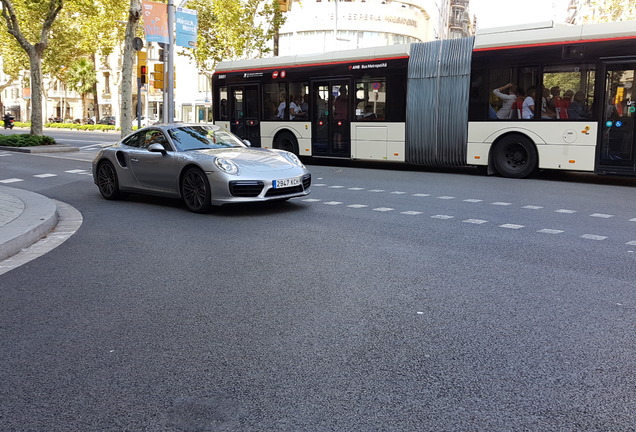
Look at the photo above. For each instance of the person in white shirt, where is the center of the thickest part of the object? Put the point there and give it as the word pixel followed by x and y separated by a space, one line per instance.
pixel 527 109
pixel 508 99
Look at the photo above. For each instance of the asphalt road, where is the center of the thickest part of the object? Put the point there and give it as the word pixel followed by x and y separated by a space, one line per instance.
pixel 387 300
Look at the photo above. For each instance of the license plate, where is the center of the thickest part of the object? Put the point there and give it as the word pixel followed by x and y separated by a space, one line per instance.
pixel 284 183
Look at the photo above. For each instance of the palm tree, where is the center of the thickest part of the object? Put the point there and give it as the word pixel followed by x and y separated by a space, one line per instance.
pixel 82 78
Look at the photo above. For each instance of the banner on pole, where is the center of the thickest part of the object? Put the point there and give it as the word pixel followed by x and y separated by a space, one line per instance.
pixel 155 21
pixel 186 27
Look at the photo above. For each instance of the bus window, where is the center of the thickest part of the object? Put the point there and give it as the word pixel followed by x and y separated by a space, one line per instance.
pixel 223 109
pixel 298 100
pixel 275 102
pixel 370 99
pixel 501 105
pixel 569 92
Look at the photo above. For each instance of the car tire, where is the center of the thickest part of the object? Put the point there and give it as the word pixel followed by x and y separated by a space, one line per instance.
pixel 195 191
pixel 515 156
pixel 107 181
pixel 286 141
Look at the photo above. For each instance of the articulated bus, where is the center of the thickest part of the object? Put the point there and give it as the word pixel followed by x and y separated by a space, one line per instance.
pixel 447 103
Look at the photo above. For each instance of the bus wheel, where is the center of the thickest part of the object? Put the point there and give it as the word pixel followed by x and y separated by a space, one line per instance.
pixel 515 156
pixel 286 141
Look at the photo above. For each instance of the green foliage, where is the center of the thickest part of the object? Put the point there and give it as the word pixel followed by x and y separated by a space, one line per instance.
pixel 25 140
pixel 231 29
pixel 77 126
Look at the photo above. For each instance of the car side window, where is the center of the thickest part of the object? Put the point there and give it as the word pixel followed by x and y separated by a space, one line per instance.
pixel 155 136
pixel 134 140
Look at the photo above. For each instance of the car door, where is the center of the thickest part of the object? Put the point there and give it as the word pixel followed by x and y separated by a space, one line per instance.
pixel 154 171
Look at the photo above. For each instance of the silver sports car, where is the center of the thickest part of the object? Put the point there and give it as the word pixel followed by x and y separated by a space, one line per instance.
pixel 204 165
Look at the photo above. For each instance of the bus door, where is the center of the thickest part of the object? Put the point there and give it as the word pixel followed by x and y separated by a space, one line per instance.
pixel 331 130
pixel 243 111
pixel 618 141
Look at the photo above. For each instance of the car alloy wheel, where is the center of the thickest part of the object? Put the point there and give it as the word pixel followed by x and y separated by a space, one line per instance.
pixel 195 191
pixel 107 181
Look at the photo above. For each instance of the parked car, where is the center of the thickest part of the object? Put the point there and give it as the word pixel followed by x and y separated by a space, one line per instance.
pixel 145 121
pixel 204 165
pixel 107 120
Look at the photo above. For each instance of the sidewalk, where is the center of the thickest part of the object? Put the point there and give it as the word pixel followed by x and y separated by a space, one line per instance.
pixel 25 217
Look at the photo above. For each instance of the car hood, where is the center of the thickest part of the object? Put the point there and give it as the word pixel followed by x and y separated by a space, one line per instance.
pixel 255 159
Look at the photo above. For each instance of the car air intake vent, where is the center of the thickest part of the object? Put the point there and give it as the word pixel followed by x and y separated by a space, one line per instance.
pixel 246 188
pixel 306 181
pixel 284 191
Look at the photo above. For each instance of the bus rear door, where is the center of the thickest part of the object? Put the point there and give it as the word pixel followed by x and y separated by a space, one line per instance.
pixel 617 140
pixel 331 130
pixel 244 113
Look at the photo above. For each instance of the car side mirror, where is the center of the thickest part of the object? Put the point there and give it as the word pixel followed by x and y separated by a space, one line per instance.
pixel 157 148
pixel 247 143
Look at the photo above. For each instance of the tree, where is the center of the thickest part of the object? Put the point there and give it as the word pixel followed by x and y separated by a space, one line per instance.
pixel 230 29
pixel 81 78
pixel 613 10
pixel 30 23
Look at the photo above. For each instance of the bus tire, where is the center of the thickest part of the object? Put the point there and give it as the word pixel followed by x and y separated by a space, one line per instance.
pixel 286 141
pixel 515 156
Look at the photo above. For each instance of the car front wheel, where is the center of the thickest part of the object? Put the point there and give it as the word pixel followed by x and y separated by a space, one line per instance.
pixel 107 181
pixel 195 191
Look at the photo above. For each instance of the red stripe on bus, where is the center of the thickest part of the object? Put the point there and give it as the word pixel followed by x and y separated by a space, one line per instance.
pixel 555 43
pixel 313 64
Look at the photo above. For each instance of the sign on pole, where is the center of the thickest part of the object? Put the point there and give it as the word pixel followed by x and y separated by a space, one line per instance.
pixel 186 27
pixel 155 21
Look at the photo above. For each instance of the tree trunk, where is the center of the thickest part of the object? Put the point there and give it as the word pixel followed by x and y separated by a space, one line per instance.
pixel 127 69
pixel 95 96
pixel 35 62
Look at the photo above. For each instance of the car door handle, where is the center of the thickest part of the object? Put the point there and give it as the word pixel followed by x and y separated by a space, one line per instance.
pixel 134 160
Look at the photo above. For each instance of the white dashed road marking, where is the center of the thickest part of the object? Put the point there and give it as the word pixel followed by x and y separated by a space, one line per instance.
pixel 501 203
pixel 511 226
pixel 565 211
pixel 383 209
pixel 550 231
pixel 398 193
pixel 11 180
pixel 421 195
pixel 411 213
pixel 532 207
pixel 593 237
pixel 631 243
pixel 45 175
pixel 475 221
pixel 376 190
pixel 357 206
pixel 446 197
pixel 443 217
pixel 332 203
pixel 76 171
pixel 601 215
pixel 311 200
pixel 356 188
pixel 473 200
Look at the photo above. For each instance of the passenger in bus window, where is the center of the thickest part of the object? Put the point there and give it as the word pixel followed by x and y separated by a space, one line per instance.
pixel 304 106
pixel 556 104
pixel 295 112
pixel 269 109
pixel 508 99
pixel 527 109
pixel 577 110
pixel 340 113
pixel 281 106
pixel 546 110
pixel 223 110
pixel 568 95
pixel 368 113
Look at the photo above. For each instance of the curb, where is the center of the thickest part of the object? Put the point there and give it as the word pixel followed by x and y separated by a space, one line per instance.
pixel 41 149
pixel 37 219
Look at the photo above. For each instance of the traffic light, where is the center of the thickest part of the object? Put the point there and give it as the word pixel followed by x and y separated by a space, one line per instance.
pixel 158 76
pixel 142 67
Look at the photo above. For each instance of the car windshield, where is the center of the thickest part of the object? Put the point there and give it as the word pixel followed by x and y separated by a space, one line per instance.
pixel 203 137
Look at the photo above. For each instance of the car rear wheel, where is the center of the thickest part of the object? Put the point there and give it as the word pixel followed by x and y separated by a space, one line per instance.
pixel 107 181
pixel 195 191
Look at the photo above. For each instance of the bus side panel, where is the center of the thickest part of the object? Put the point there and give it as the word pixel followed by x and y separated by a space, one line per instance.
pixel 370 141
pixel 560 145
pixel 301 130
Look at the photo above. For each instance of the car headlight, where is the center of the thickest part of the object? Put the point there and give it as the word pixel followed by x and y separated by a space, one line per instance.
pixel 226 165
pixel 293 159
